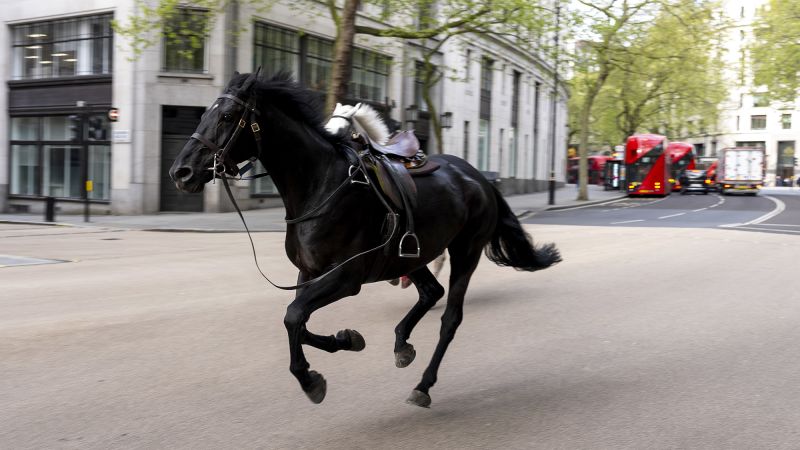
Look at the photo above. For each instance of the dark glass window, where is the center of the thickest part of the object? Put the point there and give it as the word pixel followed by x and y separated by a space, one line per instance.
pixel 62 48
pixel 276 49
pixel 370 76
pixel 318 62
pixel 185 41
pixel 758 122
pixel 47 156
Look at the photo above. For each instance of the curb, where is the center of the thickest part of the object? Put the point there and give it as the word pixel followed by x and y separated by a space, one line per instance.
pixel 524 214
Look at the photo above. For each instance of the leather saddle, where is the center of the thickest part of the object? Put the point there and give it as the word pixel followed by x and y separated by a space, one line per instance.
pixel 392 166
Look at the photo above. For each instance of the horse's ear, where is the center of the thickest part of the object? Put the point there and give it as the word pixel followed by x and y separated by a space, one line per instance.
pixel 235 72
pixel 258 71
pixel 249 81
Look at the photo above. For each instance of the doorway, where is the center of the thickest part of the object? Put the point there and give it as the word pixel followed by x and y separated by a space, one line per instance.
pixel 177 124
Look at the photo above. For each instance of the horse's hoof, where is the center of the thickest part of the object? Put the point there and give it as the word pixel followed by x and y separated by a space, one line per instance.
pixel 405 356
pixel 419 398
pixel 355 339
pixel 318 387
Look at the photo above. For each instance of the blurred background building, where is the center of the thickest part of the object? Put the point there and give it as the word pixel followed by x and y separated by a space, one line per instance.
pixel 65 70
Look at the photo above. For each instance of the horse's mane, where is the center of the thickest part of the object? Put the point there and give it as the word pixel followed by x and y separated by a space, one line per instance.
pixel 297 102
pixel 372 123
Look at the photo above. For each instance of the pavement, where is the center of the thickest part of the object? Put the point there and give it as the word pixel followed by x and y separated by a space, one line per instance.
pixel 272 219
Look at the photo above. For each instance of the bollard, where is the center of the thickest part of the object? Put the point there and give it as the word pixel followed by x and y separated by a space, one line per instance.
pixel 50 209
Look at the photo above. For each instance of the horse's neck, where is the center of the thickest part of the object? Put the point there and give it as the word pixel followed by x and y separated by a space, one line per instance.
pixel 304 168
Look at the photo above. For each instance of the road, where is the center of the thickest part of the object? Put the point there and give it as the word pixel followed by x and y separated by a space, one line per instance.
pixel 646 336
pixel 776 211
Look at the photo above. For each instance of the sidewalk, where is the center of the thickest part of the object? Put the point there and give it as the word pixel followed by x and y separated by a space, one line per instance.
pixel 271 219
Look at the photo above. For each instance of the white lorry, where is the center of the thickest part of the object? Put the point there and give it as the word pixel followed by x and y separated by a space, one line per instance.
pixel 740 170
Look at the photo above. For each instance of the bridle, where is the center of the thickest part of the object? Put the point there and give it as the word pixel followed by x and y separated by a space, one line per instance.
pixel 223 166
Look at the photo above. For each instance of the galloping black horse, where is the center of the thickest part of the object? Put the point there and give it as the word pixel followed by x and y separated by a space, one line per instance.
pixel 458 210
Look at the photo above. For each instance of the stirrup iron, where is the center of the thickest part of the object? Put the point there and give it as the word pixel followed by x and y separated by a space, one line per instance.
pixel 408 235
pixel 354 169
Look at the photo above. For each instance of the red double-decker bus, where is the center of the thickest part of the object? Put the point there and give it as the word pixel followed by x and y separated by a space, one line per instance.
pixel 681 156
pixel 647 165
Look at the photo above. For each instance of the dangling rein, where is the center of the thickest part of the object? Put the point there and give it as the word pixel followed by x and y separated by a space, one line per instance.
pixel 349 180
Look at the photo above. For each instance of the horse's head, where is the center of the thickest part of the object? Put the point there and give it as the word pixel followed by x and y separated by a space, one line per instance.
pixel 223 139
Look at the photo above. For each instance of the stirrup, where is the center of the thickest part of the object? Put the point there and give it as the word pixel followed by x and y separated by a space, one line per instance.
pixel 400 247
pixel 353 170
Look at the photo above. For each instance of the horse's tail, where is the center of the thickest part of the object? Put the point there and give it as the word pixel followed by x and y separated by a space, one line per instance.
pixel 512 246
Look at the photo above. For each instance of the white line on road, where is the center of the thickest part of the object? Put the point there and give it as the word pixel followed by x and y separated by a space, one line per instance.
pixel 779 208
pixel 672 215
pixel 701 209
pixel 627 221
pixel 764 229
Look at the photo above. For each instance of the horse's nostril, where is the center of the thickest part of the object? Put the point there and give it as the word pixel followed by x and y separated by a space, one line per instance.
pixel 183 174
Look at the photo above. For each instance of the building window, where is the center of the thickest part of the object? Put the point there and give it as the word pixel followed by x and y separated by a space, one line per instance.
pixel 48 156
pixel 758 122
pixel 276 49
pixel 370 76
pixel 318 62
pixel 185 42
pixel 760 100
pixel 786 121
pixel 62 48
pixel 483 145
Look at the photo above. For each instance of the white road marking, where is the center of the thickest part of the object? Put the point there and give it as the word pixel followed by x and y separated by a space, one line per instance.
pixel 701 209
pixel 779 208
pixel 765 229
pixel 672 215
pixel 627 221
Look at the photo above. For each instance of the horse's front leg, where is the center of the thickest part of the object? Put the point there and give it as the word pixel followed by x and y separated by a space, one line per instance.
pixel 310 299
pixel 344 340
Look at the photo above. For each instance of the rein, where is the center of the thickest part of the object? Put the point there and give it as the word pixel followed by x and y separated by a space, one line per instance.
pixel 220 169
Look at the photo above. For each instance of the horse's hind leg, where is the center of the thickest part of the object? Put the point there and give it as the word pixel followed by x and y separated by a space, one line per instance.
pixel 462 264
pixel 430 291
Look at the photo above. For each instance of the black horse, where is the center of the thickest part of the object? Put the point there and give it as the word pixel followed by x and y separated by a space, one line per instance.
pixel 458 210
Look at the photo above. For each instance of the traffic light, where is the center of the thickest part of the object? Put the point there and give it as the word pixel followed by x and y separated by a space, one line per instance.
pixel 96 130
pixel 75 128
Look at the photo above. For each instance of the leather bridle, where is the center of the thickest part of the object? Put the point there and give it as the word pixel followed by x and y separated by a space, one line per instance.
pixel 223 164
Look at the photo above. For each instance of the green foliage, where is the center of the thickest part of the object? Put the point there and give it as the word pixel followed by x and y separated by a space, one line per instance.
pixel 775 54
pixel 663 75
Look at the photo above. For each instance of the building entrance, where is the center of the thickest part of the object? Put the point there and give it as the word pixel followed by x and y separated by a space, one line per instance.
pixel 177 124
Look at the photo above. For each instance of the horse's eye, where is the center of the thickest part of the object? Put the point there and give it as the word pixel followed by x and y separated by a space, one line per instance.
pixel 227 117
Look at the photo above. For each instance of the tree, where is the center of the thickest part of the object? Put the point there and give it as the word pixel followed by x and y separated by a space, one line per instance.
pixel 630 64
pixel 666 80
pixel 775 54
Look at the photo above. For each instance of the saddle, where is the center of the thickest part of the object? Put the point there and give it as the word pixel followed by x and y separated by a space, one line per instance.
pixel 392 166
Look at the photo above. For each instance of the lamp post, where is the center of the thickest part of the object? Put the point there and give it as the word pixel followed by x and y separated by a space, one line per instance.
pixel 551 184
pixel 412 114
pixel 446 120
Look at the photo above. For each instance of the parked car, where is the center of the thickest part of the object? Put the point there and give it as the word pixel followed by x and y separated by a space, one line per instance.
pixel 694 181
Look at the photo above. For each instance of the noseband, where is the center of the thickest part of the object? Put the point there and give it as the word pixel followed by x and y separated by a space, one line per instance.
pixel 222 162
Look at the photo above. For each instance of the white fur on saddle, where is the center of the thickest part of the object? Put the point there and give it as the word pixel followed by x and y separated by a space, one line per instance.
pixel 365 121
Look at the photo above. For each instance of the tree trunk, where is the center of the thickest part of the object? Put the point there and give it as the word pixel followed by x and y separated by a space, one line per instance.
pixel 342 67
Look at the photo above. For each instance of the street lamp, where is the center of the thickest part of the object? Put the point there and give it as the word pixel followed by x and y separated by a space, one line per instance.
pixel 446 120
pixel 551 184
pixel 412 114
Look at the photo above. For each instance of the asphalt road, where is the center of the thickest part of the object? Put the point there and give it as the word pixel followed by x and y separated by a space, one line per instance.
pixel 644 337
pixel 777 211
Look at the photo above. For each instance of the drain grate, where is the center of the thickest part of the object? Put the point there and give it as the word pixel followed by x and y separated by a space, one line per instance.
pixel 11 260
